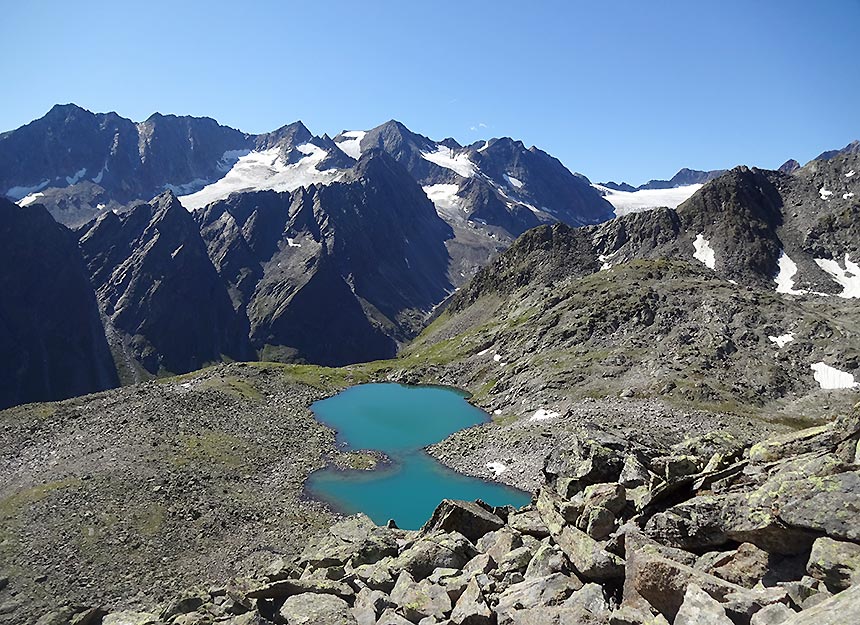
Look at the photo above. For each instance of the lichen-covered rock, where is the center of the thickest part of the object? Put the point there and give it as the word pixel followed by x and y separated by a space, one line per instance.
pixel 541 591
pixel 312 609
pixel 472 608
pixel 356 538
pixel 421 599
pixel 369 606
pixel 499 543
pixel 548 559
pixel 289 587
pixel 528 522
pixel 835 562
pixel 437 550
pixel 466 517
pixel 588 557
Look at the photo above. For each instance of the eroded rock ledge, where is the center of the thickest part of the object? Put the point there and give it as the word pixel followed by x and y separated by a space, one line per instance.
pixel 711 535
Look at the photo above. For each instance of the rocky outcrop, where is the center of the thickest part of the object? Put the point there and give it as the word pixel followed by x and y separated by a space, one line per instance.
pixel 649 562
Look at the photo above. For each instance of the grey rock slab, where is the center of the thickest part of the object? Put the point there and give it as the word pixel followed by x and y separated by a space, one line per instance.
pixel 699 608
pixel 313 609
pixel 465 517
pixel 472 608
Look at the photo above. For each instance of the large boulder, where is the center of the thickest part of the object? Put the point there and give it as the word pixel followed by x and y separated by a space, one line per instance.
pixel 663 583
pixel 466 517
pixel 436 550
pixel 357 539
pixel 472 608
pixel 289 587
pixel 421 599
pixel 589 558
pixel 835 562
pixel 312 609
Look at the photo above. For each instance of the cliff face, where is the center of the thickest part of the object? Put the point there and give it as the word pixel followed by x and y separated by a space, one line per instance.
pixel 51 338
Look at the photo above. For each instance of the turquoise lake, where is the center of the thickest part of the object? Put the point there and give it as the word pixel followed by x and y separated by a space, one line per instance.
pixel 399 421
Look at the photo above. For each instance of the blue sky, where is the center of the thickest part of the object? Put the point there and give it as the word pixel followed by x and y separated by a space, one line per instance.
pixel 616 89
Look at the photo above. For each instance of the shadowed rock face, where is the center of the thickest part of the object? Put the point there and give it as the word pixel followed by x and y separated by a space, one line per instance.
pixel 51 338
pixel 157 287
pixel 332 274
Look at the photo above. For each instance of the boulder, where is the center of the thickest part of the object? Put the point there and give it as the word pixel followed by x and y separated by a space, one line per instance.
pixel 540 591
pixel 516 560
pixel 840 609
pixel 835 562
pixel 585 460
pixel 528 522
pixel 467 518
pixel 472 608
pixel 499 543
pixel 699 608
pixel 481 563
pixel 633 473
pixel 590 599
pixel 663 583
pixel 588 557
pixel 421 599
pixel 376 576
pixel 811 440
pixel 439 549
pixel 181 605
pixel 548 559
pixel 69 615
pixel 369 606
pixel 746 566
pixel 775 614
pixel 312 609
pixel 356 538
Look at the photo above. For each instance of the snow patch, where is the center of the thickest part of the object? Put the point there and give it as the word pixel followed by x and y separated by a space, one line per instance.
pixel 831 378
pixel 483 351
pixel 446 157
pixel 849 174
pixel 262 171
pixel 100 206
pixel 445 199
pixel 824 193
pixel 605 258
pixel 785 276
pixel 230 158
pixel 542 414
pixel 496 358
pixel 517 184
pixel 497 468
pixel 292 243
pixel 100 175
pixel 16 193
pixel 848 278
pixel 78 175
pixel 350 143
pixel 847 196
pixel 782 340
pixel 704 252
pixel 626 202
pixel 29 199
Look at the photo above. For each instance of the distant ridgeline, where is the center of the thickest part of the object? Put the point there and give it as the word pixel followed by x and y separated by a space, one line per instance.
pixel 195 243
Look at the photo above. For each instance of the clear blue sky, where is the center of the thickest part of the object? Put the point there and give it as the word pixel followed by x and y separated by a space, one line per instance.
pixel 624 90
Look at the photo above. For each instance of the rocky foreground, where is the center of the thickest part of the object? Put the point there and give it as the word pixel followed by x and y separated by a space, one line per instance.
pixel 709 534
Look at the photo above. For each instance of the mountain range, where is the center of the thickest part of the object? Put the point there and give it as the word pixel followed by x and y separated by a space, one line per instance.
pixel 199 243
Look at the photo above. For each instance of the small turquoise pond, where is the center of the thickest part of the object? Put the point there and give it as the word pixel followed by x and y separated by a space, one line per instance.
pixel 399 421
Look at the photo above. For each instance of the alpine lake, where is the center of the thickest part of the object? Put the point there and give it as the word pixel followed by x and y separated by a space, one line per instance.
pixel 400 421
